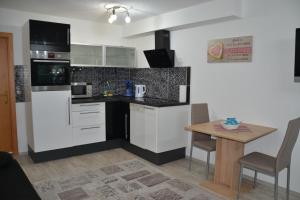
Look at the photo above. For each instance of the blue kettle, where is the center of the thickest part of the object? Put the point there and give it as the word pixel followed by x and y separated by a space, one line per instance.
pixel 129 88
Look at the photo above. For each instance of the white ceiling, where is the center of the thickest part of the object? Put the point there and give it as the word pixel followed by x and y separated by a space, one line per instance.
pixel 94 9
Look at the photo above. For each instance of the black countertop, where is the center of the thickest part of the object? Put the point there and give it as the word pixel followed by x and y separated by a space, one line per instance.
pixel 144 101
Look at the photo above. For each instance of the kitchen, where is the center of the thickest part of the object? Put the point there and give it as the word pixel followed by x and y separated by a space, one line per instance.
pixel 89 107
pixel 209 82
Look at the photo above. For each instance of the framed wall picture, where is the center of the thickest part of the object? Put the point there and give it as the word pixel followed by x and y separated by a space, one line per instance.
pixel 236 49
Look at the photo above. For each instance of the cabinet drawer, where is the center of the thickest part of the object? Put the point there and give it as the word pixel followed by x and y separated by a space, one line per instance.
pixel 89 134
pixel 88 118
pixel 88 107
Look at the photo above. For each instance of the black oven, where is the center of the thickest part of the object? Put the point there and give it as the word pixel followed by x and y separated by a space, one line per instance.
pixel 50 73
pixel 49 36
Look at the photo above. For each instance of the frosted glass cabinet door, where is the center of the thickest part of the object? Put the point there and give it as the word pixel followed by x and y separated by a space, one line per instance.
pixel 86 55
pixel 120 56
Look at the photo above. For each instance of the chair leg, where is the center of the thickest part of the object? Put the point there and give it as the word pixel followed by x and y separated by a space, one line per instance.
pixel 240 182
pixel 288 183
pixel 190 160
pixel 276 187
pixel 255 178
pixel 207 164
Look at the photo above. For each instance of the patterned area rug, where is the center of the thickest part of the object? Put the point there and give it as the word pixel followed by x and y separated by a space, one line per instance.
pixel 132 179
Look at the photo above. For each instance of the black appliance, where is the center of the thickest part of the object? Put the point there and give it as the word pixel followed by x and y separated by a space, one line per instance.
pixel 50 71
pixel 49 36
pixel 117 120
pixel 297 56
pixel 161 56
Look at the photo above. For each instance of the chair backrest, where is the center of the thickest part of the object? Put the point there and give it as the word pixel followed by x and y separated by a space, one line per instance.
pixel 199 115
pixel 285 153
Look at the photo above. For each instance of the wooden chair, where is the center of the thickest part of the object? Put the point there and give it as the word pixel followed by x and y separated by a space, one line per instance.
pixel 201 140
pixel 273 165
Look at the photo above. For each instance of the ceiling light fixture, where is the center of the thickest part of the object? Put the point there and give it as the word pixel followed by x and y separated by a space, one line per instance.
pixel 113 10
pixel 127 18
pixel 114 16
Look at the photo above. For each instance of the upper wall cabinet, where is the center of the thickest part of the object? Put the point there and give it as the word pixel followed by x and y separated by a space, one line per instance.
pixel 107 56
pixel 86 55
pixel 119 56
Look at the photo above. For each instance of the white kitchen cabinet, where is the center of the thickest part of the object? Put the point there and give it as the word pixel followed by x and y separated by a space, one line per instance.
pixel 151 128
pixel 86 55
pixel 89 134
pixel 137 125
pixel 51 120
pixel 99 56
pixel 158 129
pixel 88 118
pixel 119 56
pixel 171 122
pixel 88 107
pixel 88 123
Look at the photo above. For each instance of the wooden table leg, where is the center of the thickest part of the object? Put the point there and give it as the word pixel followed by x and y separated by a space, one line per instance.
pixel 227 168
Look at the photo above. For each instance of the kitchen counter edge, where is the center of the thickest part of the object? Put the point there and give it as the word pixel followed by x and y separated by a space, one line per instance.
pixel 164 103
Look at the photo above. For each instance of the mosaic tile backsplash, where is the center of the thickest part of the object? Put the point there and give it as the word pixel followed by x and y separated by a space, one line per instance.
pixel 21 82
pixel 160 83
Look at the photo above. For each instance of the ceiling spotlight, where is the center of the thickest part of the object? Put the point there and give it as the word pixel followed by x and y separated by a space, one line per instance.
pixel 110 19
pixel 114 16
pixel 127 18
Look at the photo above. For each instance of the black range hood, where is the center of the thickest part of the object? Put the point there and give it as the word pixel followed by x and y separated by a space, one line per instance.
pixel 161 56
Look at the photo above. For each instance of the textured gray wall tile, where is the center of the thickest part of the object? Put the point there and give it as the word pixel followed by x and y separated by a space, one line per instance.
pixel 161 83
pixel 19 83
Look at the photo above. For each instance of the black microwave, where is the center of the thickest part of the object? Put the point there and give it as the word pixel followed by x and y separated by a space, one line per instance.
pixel 49 36
pixel 81 90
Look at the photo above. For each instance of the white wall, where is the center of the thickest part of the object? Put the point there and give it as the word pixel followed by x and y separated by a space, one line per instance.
pixel 23 126
pixel 141 43
pixel 81 32
pixel 262 91
pixel 203 13
pixel 17 41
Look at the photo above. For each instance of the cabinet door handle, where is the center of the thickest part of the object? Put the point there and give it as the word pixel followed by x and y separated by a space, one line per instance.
pixel 95 127
pixel 69 109
pixel 68 36
pixel 148 108
pixel 89 105
pixel 52 61
pixel 84 113
pixel 126 132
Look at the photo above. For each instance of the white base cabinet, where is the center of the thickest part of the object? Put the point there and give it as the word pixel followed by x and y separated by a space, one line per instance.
pixel 51 120
pixel 137 125
pixel 89 134
pixel 88 123
pixel 158 129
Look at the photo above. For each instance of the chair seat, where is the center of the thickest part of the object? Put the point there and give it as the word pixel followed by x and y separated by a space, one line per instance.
pixel 207 145
pixel 259 161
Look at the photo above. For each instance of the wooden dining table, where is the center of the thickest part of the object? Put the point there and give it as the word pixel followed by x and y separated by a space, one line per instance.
pixel 229 149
